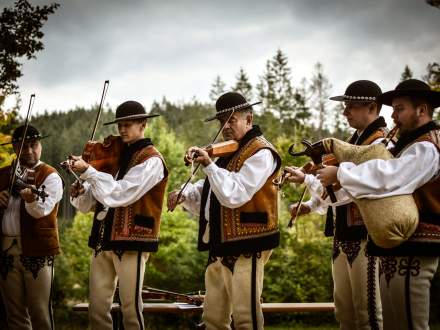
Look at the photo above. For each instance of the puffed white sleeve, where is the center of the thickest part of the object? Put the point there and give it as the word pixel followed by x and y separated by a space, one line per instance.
pixel 54 190
pixel 379 178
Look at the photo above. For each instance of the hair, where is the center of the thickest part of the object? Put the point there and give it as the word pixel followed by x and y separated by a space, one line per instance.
pixel 378 106
pixel 418 101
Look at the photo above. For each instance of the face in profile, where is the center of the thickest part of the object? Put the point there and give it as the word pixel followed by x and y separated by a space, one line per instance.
pixel 237 125
pixel 405 115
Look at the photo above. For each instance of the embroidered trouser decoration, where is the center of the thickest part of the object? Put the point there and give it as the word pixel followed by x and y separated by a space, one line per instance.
pixel 234 293
pixel 405 284
pixel 27 290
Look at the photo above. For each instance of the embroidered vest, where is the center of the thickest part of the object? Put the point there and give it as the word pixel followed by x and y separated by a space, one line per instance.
pixel 252 227
pixel 39 237
pixel 426 239
pixel 135 227
pixel 348 224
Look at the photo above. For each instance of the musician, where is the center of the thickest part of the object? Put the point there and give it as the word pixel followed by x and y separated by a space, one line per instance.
pixel 355 272
pixel 127 218
pixel 407 270
pixel 29 235
pixel 237 206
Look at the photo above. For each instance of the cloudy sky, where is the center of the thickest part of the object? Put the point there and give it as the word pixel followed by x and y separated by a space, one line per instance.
pixel 150 49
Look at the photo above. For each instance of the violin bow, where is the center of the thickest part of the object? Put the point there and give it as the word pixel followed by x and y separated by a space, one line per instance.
pixel 179 195
pixel 95 126
pixel 98 115
pixel 17 160
pixel 300 202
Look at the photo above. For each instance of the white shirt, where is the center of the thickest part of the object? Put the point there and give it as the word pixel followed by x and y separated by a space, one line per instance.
pixel 377 178
pixel 232 189
pixel 37 209
pixel 102 187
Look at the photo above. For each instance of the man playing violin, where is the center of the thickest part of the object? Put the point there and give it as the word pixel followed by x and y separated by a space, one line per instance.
pixel 29 235
pixel 127 218
pixel 355 273
pixel 406 270
pixel 238 217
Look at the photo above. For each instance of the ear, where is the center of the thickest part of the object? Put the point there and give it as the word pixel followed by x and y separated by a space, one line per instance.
pixel 422 110
pixel 249 118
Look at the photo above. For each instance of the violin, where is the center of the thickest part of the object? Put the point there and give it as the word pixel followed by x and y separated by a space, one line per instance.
pixel 219 149
pixel 19 185
pixel 104 156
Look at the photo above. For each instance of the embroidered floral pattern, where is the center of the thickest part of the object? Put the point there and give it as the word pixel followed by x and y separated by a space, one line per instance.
pixel 350 248
pixel 388 267
pixel 410 265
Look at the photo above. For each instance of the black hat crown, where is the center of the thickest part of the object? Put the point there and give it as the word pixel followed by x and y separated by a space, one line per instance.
pixel 130 110
pixel 360 91
pixel 230 101
pixel 412 88
pixel 31 134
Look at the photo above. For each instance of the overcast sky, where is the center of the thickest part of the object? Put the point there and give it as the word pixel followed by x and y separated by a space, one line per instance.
pixel 151 49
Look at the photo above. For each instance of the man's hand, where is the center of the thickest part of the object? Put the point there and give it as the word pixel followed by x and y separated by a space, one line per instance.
pixel 293 208
pixel 77 164
pixel 197 155
pixel 328 175
pixel 27 195
pixel 4 199
pixel 172 200
pixel 76 189
pixel 294 174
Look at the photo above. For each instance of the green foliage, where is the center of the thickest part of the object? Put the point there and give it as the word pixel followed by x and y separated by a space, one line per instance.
pixel 218 88
pixel 177 266
pixel 20 33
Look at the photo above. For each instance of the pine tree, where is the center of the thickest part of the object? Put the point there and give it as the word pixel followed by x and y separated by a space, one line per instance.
pixel 242 85
pixel 406 74
pixel 319 97
pixel 217 89
pixel 275 88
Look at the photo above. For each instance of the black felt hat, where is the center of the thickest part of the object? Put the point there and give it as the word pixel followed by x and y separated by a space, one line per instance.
pixel 412 87
pixel 31 134
pixel 228 102
pixel 130 110
pixel 360 91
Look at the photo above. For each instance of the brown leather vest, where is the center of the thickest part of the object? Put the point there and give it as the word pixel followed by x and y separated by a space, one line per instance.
pixel 253 227
pixel 427 198
pixel 39 237
pixel 137 226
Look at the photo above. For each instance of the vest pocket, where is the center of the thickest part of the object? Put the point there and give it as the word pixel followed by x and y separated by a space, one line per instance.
pixel 144 221
pixel 253 217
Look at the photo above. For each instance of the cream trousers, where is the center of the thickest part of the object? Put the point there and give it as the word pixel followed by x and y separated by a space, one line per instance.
pixel 105 271
pixel 405 284
pixel 356 287
pixel 235 295
pixel 27 288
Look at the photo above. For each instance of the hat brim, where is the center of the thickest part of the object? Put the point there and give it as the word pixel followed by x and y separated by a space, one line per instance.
pixel 134 117
pixel 432 97
pixel 217 115
pixel 33 138
pixel 344 98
